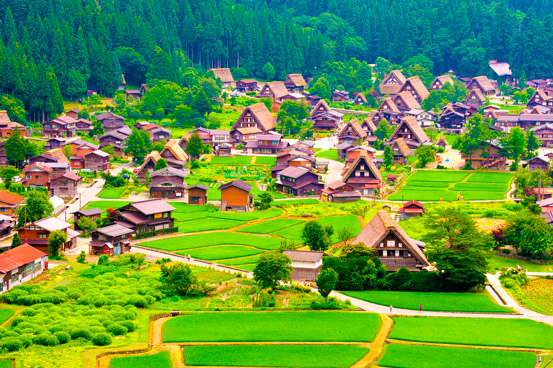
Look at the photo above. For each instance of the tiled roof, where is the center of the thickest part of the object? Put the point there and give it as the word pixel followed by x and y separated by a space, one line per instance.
pixel 238 184
pixel 152 206
pixel 304 256
pixel 52 223
pixel 10 198
pixel 19 256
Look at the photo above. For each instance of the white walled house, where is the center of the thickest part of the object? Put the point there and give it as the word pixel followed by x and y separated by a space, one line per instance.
pixel 21 264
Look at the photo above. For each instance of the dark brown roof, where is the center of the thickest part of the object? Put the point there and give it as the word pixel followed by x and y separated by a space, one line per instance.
pixel 114 230
pixel 237 184
pixel 90 212
pixel 418 86
pixel 170 170
pixel 199 186
pixel 108 115
pixel 304 255
pixel 67 175
pixel 294 172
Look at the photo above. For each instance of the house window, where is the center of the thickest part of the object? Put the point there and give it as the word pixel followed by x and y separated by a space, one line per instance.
pixel 381 245
pixel 400 245
pixel 42 236
pixel 390 243
pixel 384 253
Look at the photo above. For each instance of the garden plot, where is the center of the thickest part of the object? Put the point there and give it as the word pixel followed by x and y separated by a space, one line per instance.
pixel 408 356
pixel 104 205
pixel 272 326
pixel 111 193
pixel 270 226
pixel 159 360
pixel 299 356
pixel 221 252
pixel 349 221
pixel 453 185
pixel 207 223
pixel 431 301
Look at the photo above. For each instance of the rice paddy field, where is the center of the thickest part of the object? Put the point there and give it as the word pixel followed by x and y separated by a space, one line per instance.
pixel 159 360
pixel 454 185
pixel 5 364
pixel 5 314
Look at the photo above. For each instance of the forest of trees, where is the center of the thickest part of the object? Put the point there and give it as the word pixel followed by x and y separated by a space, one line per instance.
pixel 54 49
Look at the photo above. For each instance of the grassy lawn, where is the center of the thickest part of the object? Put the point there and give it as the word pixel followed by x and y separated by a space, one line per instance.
pixel 294 202
pixel 236 160
pixel 449 302
pixel 240 261
pixel 453 185
pixel 159 360
pixel 5 364
pixel 249 216
pixel 5 314
pixel 331 154
pixel 111 193
pixel 265 160
pixel 218 238
pixel 299 356
pixel 272 326
pixel 540 293
pixel 104 205
pixel 497 262
pixel 338 222
pixel 408 356
pixel 270 226
pixel 221 252
pixel 522 333
pixel 207 223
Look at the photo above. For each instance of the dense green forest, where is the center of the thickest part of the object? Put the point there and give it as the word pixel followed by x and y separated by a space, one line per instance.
pixel 55 48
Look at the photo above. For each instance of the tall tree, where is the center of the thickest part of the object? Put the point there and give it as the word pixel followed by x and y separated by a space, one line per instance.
pixel 138 144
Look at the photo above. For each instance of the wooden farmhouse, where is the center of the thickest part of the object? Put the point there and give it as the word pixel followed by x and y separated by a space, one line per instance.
pixel 352 133
pixel 306 264
pixel 147 166
pixel 483 84
pixel 544 133
pixel 369 127
pixel 454 116
pixel 9 203
pixel 112 240
pixel 354 152
pixel 525 121
pixel 21 264
pixel 293 158
pixel 343 150
pixel 7 126
pixel 223 150
pixel 395 248
pixel 405 101
pixel 64 126
pixel 340 96
pixel 6 226
pixel 392 83
pixel 134 93
pixel 415 86
pixel 411 209
pixel 475 98
pixel 58 168
pixel 65 185
pixel 36 175
pixel 388 110
pixel 54 142
pixel 96 161
pixel 117 139
pixel 295 83
pixel 93 214
pixel 246 85
pixel 324 118
pixel 359 99
pixel 111 121
pixel 235 196
pixel 440 81
pixel 401 151
pixel 224 75
pixel 424 118
pixel 38 232
pixel 542 97
pixel 146 216
pixel 83 126
pixel 255 119
pixel 410 130
pixel 197 194
pixel 340 192
pixel 363 175
pixel 167 183
pixel 298 181
pixel 494 159
pixel 270 143
pixel 273 90
pixel 538 163
pixel 174 155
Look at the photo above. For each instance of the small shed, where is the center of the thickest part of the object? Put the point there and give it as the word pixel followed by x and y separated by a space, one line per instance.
pixel 197 194
pixel 306 264
pixel 94 214
pixel 235 196
pixel 411 209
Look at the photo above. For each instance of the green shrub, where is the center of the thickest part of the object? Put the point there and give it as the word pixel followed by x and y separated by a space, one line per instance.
pixel 101 339
pixel 272 302
pixel 46 340
pixel 116 329
pixel 80 333
pixel 330 304
pixel 265 300
pixel 62 336
pixel 130 325
pixel 11 344
pixel 26 340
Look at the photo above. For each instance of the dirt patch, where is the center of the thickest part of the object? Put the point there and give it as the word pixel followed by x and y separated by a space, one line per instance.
pixel 489 224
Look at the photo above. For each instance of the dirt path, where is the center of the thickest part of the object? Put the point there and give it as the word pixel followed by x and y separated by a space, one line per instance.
pixel 377 346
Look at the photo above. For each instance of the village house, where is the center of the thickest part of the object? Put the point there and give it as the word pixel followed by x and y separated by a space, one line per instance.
pixel 441 142
pixel 270 143
pixel 84 126
pixel 58 168
pixel 306 264
pixel 388 110
pixel 84 149
pixel 295 157
pixel 134 93
pixel 502 70
pixel 36 175
pixel 224 75
pixel 146 216
pixel 19 265
pixel 111 121
pixel 440 81
pixel 43 159
pixel 246 85
pixel 353 152
pixel 410 130
pixel 411 209
pixel 147 166
pixel 9 203
pixel 112 240
pixel 223 150
pixel 74 113
pixel 297 97
pixel 295 83
pixel 54 142
pixel 299 181
pixel 415 86
pixel 116 138
pixel 7 126
pixel 454 116
pixel 343 150
pixel 483 84
pixel 93 214
pixel 273 90
pixel 374 117
pixel 340 192
pixel 475 98
pixel 64 126
pixel 405 101
pixel 544 133
pixel 424 118
pixel 359 99
pixel 395 248
pixel 352 133
pixel 392 83
pixel 197 194
pixel 203 133
pixel 65 185
pixel 96 161
pixel 167 183
pixel 6 226
pixel 401 151
pixel 38 232
pixel 363 175
pixel 159 134
pixel 174 155
pixel 235 196
pixel 494 160
pixel 525 121
pixel 255 119
pixel 340 96
pixel 538 163
pixel 324 118
pixel 311 100
pixel 542 97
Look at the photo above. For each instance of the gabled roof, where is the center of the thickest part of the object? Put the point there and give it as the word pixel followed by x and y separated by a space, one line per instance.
pixel 408 99
pixel 19 256
pixel 278 89
pixel 476 93
pixel 392 89
pixel 114 230
pixel 237 184
pixel 295 79
pixel 10 198
pixel 446 78
pixel 198 186
pixel 168 170
pixel 108 115
pixel 336 185
pixel 64 120
pixel 37 165
pixel 377 229
pixel 70 175
pixel 152 206
pixel 57 153
pixel 223 74
pixel 363 155
pixel 98 153
pixel 484 83
pixel 542 127
pixel 175 149
pixel 361 97
pixel 263 115
pixel 356 128
pixel 321 103
pixel 411 203
pixel 152 156
pixel 52 223
pixel 402 147
pixel 388 104
pixel 295 172
pixel 304 256
pixel 413 125
pixel 90 212
pixel 418 87
pixel 501 68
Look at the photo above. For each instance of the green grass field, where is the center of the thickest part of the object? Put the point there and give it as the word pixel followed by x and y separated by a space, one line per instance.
pixel 497 262
pixel 337 222
pixel 295 202
pixel 236 160
pixel 5 364
pixel 270 226
pixel 207 223
pixel 111 193
pixel 5 314
pixel 103 205
pixel 409 356
pixel 272 326
pixel 265 160
pixel 453 185
pixel 209 239
pixel 522 333
pixel 449 302
pixel 221 252
pixel 331 154
pixel 159 360
pixel 298 356
pixel 240 261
